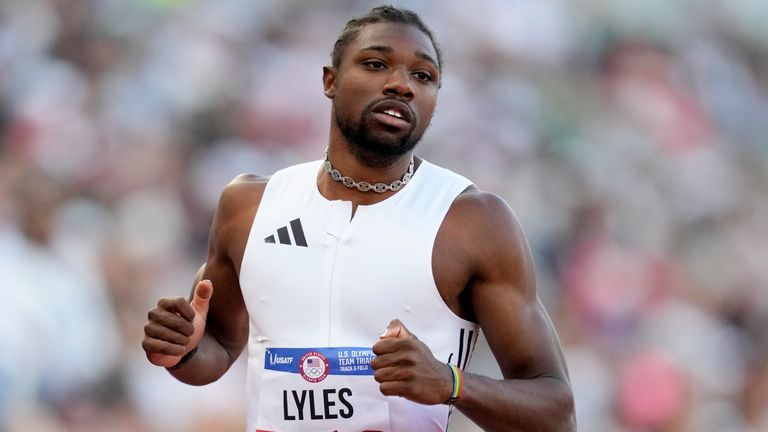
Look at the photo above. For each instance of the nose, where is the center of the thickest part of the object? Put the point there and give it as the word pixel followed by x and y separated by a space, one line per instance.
pixel 399 84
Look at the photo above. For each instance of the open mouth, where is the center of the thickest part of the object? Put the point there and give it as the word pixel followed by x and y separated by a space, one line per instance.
pixel 393 113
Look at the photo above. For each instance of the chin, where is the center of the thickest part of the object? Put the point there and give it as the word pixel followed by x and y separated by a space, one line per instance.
pixel 380 153
pixel 376 145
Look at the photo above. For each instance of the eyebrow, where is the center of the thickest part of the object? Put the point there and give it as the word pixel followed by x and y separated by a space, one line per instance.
pixel 388 50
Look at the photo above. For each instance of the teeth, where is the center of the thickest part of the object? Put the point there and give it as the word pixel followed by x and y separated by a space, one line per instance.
pixel 393 113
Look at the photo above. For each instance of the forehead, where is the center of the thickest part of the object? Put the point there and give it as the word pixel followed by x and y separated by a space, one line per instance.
pixel 398 36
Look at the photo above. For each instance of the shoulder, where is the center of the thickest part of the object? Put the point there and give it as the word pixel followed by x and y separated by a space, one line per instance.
pixel 243 191
pixel 243 195
pixel 239 201
pixel 488 230
pixel 478 210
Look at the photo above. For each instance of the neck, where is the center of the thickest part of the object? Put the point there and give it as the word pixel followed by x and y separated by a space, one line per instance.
pixel 347 169
pixel 364 186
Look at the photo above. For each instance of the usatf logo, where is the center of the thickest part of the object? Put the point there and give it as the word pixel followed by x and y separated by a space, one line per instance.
pixel 314 367
pixel 279 360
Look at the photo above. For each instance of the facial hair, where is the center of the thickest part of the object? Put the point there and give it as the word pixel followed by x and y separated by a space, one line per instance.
pixel 375 149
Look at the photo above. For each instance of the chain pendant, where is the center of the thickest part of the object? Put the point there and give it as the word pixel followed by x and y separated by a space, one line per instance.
pixel 362 186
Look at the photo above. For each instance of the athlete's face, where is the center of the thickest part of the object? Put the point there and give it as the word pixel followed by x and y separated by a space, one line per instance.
pixel 384 91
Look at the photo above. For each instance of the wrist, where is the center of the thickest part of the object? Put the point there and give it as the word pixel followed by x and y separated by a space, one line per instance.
pixel 184 359
pixel 458 384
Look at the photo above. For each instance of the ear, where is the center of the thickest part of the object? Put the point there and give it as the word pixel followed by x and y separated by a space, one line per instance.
pixel 329 81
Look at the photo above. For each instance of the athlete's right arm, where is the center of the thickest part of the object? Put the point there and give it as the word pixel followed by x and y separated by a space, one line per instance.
pixel 214 320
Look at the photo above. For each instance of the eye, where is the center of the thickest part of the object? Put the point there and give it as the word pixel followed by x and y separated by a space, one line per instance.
pixel 375 64
pixel 423 76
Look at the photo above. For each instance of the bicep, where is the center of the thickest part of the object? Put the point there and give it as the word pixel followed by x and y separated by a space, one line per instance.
pixel 519 332
pixel 227 317
pixel 504 300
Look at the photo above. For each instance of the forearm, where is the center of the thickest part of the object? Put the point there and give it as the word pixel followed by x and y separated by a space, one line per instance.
pixel 541 404
pixel 207 365
pixel 210 361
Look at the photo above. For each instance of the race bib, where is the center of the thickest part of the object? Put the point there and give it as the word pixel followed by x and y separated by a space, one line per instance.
pixel 320 390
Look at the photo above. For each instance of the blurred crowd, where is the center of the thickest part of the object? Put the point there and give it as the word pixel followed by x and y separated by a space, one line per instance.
pixel 630 138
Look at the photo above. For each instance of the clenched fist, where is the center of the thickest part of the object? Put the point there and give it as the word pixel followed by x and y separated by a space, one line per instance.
pixel 404 366
pixel 176 326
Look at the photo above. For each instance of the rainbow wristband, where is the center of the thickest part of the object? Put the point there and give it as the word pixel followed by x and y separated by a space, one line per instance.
pixel 458 382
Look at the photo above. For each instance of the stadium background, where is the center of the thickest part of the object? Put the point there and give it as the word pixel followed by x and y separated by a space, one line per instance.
pixel 631 139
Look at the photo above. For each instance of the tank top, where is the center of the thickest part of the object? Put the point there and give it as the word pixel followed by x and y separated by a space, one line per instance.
pixel 320 286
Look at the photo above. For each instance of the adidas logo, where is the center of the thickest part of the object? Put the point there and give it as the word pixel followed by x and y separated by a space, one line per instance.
pixel 284 238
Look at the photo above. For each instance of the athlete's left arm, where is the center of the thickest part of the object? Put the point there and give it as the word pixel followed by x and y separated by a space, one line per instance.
pixel 535 393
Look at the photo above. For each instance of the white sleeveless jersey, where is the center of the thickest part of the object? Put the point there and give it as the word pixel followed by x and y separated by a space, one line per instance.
pixel 321 285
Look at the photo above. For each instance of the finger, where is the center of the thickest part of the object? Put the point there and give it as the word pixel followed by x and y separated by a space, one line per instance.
pixel 202 298
pixel 177 305
pixel 394 357
pixel 163 360
pixel 392 345
pixel 172 321
pixel 396 329
pixel 155 331
pixel 394 388
pixel 384 346
pixel 393 373
pixel 157 346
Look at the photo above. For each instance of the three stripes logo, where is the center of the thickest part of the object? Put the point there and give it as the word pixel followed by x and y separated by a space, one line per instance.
pixel 467 342
pixel 283 237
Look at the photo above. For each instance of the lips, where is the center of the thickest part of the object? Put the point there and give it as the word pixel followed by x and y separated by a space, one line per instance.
pixel 393 112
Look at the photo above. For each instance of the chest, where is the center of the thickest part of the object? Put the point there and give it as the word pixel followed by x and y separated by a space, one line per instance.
pixel 341 278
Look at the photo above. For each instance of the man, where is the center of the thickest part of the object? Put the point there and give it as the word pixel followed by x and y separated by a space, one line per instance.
pixel 308 266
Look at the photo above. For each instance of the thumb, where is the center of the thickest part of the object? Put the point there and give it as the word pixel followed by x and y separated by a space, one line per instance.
pixel 202 298
pixel 397 330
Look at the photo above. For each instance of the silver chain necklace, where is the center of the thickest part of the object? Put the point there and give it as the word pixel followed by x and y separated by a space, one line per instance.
pixel 365 186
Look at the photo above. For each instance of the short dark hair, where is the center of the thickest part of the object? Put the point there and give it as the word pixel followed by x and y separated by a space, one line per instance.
pixel 380 14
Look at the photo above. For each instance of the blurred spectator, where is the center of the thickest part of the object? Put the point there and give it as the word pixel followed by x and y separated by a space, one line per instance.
pixel 59 334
